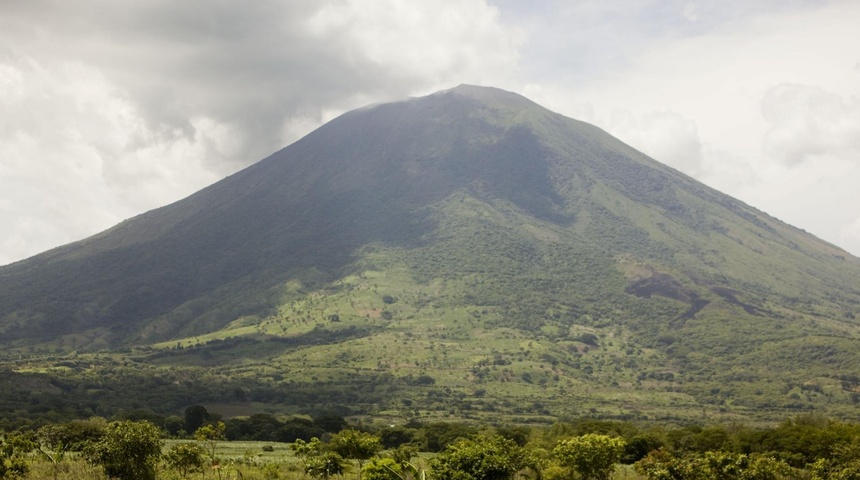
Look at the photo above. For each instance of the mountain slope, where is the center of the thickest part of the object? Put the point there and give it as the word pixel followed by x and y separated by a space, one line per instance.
pixel 471 215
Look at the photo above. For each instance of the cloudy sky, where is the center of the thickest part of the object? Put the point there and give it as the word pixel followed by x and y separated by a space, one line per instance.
pixel 111 108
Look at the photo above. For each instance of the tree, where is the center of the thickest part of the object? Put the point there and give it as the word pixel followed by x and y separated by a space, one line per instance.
pixel 330 423
pixel 13 447
pixel 661 465
pixel 404 454
pixel 209 436
pixel 185 458
pixel 195 417
pixel 53 445
pixel 129 450
pixel 520 435
pixel 592 456
pixel 439 435
pixel 392 468
pixel 324 465
pixel 382 469
pixel 395 436
pixel 725 466
pixel 174 424
pixel 639 446
pixel 762 467
pixel 319 461
pixel 353 444
pixel 73 436
pixel 298 428
pixel 487 457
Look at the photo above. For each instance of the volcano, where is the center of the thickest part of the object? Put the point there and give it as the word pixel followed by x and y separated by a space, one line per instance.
pixel 473 234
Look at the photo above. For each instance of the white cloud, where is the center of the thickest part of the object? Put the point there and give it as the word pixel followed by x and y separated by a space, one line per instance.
pixel 718 73
pixel 108 109
pixel 794 193
pixel 75 158
pixel 690 12
pixel 806 121
pixel 431 41
pixel 667 136
pixel 849 235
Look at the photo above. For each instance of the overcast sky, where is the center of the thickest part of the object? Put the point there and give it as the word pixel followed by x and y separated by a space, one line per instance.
pixel 110 108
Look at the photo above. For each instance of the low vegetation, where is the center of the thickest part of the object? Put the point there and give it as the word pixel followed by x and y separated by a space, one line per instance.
pixel 805 447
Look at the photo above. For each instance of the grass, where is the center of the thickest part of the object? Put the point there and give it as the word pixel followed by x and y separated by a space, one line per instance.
pixel 248 452
pixel 237 465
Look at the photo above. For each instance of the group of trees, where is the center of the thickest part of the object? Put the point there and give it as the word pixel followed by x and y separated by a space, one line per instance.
pixel 810 448
pixel 322 460
pixel 125 449
pixel 486 456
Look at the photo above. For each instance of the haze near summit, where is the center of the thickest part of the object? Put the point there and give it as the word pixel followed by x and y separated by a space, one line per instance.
pixel 109 109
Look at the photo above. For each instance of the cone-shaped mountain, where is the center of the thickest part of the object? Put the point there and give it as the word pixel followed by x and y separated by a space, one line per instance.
pixel 473 209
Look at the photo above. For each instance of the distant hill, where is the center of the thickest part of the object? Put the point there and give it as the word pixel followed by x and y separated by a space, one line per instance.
pixel 469 240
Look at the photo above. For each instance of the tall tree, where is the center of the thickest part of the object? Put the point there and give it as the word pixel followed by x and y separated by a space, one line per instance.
pixel 195 417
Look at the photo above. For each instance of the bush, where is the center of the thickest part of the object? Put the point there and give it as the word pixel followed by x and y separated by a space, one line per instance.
pixel 185 458
pixel 128 451
pixel 486 457
pixel 592 456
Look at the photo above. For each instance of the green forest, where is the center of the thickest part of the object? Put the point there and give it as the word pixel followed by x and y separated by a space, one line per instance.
pixel 200 445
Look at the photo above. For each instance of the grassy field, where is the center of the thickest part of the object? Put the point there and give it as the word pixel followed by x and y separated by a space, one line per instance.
pixel 239 461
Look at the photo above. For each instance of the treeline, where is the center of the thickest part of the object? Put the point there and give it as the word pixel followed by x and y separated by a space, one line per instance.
pixel 798 441
pixel 806 447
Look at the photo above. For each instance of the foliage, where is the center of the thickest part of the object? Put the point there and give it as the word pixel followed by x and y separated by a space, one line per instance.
pixel 766 467
pixel 195 417
pixel 304 450
pixel 385 468
pixel 396 465
pixel 486 457
pixel 403 454
pixel 208 436
pixel 354 444
pixel 661 465
pixel 437 436
pixel 13 448
pixel 396 436
pixel 53 444
pixel 319 461
pixel 744 456
pixel 129 450
pixel 592 456
pixel 72 436
pixel 324 465
pixel 184 458
pixel 640 445
pixel 725 466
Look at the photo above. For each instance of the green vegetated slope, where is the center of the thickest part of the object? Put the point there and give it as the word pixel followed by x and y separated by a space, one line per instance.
pixel 464 253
